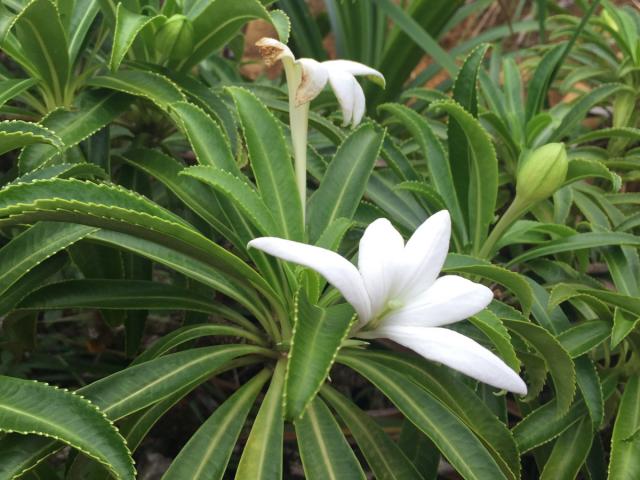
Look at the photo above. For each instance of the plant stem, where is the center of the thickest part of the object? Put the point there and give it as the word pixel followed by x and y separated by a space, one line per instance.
pixel 298 121
pixel 513 213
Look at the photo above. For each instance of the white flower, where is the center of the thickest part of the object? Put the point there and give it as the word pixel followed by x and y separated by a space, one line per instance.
pixel 310 77
pixel 397 294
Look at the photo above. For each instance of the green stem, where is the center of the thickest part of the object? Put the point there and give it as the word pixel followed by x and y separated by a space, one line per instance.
pixel 299 123
pixel 513 213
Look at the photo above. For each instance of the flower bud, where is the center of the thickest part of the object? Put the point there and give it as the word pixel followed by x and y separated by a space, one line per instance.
pixel 542 172
pixel 174 40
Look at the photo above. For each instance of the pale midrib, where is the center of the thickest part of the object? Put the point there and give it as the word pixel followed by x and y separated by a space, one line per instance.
pixel 222 428
pixel 61 243
pixel 337 203
pixel 381 453
pixel 321 442
pixel 68 433
pixel 274 185
pixel 173 372
pixel 426 419
pixel 52 71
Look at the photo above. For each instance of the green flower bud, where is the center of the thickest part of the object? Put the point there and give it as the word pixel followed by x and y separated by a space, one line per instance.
pixel 174 40
pixel 541 173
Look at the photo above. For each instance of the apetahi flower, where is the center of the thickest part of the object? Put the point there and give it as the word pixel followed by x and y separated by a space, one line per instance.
pixel 397 294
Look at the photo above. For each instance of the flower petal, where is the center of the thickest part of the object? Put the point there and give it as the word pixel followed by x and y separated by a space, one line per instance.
pixel 355 68
pixel 344 86
pixel 423 256
pixel 314 77
pixel 338 271
pixel 450 299
pixel 273 50
pixel 456 351
pixel 359 104
pixel 380 246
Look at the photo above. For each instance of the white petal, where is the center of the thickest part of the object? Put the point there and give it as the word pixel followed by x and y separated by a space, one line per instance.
pixel 456 351
pixel 423 256
pixel 355 68
pixel 450 299
pixel 272 50
pixel 338 271
pixel 344 86
pixel 313 79
pixel 359 104
pixel 380 246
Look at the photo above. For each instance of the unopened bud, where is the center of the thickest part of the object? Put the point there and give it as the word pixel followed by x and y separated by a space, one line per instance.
pixel 542 172
pixel 174 39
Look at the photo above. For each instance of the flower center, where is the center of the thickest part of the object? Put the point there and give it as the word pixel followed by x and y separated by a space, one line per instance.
pixel 389 307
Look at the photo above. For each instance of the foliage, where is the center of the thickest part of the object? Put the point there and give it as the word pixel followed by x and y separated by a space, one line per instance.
pixel 140 163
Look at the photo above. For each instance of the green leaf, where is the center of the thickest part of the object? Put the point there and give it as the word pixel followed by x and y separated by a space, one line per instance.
pixel 581 338
pixel 317 336
pixel 141 83
pixel 94 110
pixel 580 168
pixel 419 35
pixel 196 196
pixel 489 323
pixel 541 81
pixel 543 424
pixel 196 269
pixel 628 133
pixel 63 170
pixel 282 24
pixel 591 390
pixel 33 279
pixel 483 184
pixel 128 25
pixel 459 445
pixel 437 163
pixel 80 20
pixel 35 245
pixel 116 208
pixel 625 447
pixel 346 178
pixel 325 452
pixel 217 23
pixel 271 163
pixel 581 241
pixel 511 280
pixel 207 453
pixel 126 392
pixel 192 332
pixel 569 452
pixel 120 294
pixel 17 133
pixel 564 291
pixel 262 455
pixel 457 397
pixel 381 452
pixel 622 326
pixel 460 154
pixel 12 88
pixel 207 140
pixel 29 407
pixel 556 357
pixel 43 42
pixel 241 194
pixel 581 107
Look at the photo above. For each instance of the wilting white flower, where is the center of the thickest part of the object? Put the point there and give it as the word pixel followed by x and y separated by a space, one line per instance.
pixel 307 77
pixel 397 294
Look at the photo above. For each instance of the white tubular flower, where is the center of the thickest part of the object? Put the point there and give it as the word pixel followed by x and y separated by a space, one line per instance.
pixel 397 294
pixel 307 77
